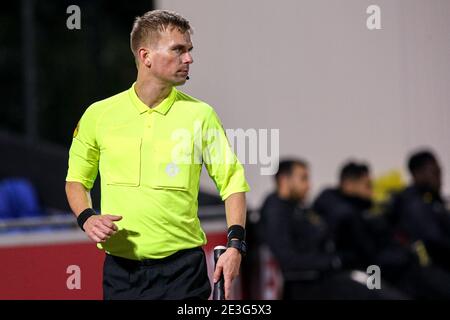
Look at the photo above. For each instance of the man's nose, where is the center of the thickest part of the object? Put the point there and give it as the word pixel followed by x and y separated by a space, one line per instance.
pixel 187 58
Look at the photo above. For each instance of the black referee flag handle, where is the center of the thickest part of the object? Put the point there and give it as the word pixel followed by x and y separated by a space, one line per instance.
pixel 219 286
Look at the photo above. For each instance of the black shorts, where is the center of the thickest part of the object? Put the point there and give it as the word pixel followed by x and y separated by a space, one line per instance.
pixel 182 275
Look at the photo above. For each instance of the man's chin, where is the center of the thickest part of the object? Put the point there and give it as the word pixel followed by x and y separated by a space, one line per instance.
pixel 179 82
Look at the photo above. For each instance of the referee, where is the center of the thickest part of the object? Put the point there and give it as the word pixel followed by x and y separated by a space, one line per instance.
pixel 149 144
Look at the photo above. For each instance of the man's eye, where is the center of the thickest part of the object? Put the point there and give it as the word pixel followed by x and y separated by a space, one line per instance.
pixel 177 50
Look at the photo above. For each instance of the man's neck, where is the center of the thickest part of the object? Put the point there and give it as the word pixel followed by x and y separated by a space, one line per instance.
pixel 285 195
pixel 151 92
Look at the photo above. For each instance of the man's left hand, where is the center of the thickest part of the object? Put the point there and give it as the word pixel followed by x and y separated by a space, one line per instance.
pixel 228 263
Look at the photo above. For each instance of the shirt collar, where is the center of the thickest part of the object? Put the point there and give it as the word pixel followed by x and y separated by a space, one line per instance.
pixel 163 107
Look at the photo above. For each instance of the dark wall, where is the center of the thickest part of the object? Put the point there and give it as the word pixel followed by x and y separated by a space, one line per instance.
pixel 73 68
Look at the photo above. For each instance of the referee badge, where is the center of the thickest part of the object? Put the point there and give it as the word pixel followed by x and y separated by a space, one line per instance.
pixel 172 169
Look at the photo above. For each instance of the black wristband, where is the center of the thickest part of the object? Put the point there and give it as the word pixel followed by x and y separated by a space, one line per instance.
pixel 236 232
pixel 240 245
pixel 86 214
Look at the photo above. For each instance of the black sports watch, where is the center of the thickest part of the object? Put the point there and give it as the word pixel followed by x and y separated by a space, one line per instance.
pixel 240 245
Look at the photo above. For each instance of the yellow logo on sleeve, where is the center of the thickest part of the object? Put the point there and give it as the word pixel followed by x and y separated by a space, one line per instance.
pixel 75 132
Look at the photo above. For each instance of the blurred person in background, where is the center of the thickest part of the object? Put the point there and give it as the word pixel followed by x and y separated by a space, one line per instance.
pixel 346 210
pixel 364 237
pixel 419 213
pixel 301 243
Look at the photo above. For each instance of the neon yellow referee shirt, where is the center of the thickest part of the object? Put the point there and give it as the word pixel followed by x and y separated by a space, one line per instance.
pixel 150 160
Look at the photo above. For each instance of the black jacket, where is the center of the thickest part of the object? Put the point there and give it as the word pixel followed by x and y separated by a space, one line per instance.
pixel 362 239
pixel 298 239
pixel 420 214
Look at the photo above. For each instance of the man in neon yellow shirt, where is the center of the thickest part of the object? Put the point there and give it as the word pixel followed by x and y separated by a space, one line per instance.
pixel 149 144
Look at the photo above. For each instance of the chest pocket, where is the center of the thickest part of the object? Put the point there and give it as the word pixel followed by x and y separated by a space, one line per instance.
pixel 173 165
pixel 122 161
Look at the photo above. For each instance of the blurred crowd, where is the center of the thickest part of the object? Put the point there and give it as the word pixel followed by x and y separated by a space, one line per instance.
pixel 324 249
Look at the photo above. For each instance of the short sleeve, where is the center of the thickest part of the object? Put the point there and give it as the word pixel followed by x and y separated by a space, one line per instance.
pixel 84 151
pixel 220 161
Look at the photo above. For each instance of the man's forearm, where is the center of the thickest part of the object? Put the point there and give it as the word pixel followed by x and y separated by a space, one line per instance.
pixel 78 197
pixel 236 209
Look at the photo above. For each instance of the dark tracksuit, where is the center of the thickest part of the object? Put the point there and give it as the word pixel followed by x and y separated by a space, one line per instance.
pixel 364 239
pixel 420 214
pixel 300 242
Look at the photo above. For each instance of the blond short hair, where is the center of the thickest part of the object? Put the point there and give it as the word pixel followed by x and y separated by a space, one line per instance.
pixel 147 27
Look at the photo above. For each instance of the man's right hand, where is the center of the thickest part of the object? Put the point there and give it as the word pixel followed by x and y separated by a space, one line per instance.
pixel 100 227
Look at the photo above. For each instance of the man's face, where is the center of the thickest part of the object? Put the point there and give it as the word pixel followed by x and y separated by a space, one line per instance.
pixel 298 183
pixel 430 176
pixel 171 56
pixel 361 187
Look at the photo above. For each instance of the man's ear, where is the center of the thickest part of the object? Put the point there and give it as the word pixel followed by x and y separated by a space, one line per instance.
pixel 284 180
pixel 346 185
pixel 145 57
